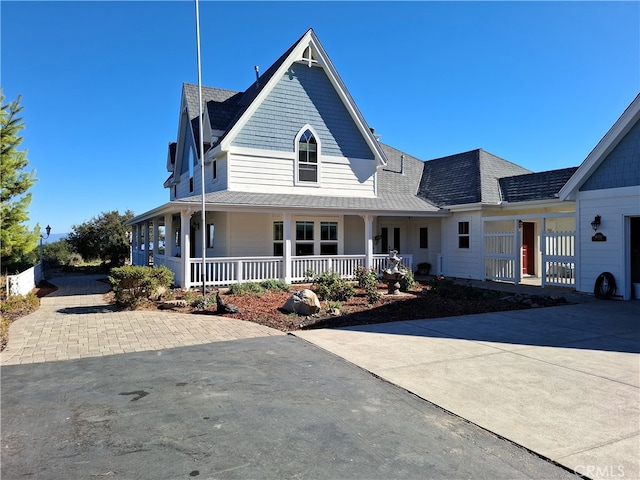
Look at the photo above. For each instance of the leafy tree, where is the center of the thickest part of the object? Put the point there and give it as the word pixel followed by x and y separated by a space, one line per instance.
pixel 18 243
pixel 60 252
pixel 103 238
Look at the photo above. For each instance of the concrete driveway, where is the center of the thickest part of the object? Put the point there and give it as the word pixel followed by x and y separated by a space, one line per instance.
pixel 87 391
pixel 563 382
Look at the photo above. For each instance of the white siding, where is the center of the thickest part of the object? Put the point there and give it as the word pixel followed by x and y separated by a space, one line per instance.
pixel 251 233
pixel 412 242
pixel 354 242
pixel 613 206
pixel 463 262
pixel 259 171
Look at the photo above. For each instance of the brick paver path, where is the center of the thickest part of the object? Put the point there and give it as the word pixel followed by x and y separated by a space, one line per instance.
pixel 76 322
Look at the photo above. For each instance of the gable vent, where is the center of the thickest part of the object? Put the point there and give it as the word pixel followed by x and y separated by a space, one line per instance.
pixel 309 56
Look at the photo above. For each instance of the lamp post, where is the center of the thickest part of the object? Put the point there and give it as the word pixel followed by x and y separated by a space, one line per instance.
pixel 42 237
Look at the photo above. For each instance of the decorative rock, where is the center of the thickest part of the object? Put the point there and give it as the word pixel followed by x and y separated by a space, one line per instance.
pixel 304 302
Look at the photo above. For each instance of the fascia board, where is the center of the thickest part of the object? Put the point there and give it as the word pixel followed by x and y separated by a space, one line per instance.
pixel 531 203
pixel 162 209
pixel 615 134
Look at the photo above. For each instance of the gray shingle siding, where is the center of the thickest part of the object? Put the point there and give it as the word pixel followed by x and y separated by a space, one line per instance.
pixel 303 96
pixel 621 168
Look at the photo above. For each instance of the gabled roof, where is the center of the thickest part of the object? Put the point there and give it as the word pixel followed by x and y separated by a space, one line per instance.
pixel 238 107
pixel 615 134
pixel 465 178
pixel 535 186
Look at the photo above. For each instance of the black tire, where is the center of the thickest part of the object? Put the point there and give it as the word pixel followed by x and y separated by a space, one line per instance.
pixel 605 286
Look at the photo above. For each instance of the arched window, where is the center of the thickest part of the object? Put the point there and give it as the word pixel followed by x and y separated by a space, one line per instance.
pixel 307 158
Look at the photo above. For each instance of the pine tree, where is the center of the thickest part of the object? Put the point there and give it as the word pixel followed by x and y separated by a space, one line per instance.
pixel 18 244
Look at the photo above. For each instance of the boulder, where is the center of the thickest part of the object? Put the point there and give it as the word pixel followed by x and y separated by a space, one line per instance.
pixel 303 302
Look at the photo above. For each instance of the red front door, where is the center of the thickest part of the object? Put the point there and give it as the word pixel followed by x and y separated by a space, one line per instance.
pixel 528 248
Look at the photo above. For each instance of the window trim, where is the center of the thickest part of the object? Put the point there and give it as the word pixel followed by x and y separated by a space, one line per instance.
pixel 318 162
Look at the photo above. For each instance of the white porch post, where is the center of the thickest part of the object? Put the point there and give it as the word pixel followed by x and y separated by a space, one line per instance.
pixel 286 247
pixel 516 249
pixel 147 244
pixel 139 243
pixel 368 237
pixel 156 234
pixel 185 247
pixel 168 235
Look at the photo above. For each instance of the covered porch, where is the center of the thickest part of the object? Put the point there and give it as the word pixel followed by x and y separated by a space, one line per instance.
pixel 236 247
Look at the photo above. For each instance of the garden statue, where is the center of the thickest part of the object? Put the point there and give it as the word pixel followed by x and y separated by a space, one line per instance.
pixel 393 273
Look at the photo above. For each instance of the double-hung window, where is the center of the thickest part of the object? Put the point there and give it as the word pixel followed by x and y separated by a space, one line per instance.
pixel 463 235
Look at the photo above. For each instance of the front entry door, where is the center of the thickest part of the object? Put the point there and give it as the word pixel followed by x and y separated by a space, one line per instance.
pixel 390 239
pixel 528 248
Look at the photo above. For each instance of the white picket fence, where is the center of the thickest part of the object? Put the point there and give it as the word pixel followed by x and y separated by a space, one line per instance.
pixel 24 282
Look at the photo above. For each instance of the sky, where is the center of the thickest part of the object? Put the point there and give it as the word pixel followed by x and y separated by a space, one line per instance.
pixel 536 83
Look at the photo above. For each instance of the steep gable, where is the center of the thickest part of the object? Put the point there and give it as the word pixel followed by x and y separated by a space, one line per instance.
pixel 303 96
pixel 270 92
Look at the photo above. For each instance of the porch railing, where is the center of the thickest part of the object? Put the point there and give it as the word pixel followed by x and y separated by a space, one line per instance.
pixel 222 271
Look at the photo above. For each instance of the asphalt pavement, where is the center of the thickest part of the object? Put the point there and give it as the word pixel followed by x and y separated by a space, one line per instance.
pixel 88 392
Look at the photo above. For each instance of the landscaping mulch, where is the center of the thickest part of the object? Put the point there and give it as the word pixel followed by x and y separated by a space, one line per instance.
pixel 418 303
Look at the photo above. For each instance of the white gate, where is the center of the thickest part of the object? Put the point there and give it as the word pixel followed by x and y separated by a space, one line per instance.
pixel 500 256
pixel 558 258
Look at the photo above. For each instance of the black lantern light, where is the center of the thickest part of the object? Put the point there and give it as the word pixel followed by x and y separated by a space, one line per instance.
pixel 596 223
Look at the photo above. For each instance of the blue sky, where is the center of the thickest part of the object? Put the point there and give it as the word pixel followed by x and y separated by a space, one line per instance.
pixel 537 83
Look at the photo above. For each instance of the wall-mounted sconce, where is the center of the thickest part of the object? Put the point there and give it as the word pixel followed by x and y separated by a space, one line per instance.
pixel 377 239
pixel 520 224
pixel 596 223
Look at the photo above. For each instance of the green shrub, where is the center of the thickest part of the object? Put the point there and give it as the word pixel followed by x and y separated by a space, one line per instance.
pixel 275 285
pixel 368 280
pixel 202 302
pixel 408 281
pixel 247 288
pixel 133 283
pixel 330 286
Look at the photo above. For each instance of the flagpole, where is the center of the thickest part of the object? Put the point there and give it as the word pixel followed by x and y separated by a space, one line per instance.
pixel 203 225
